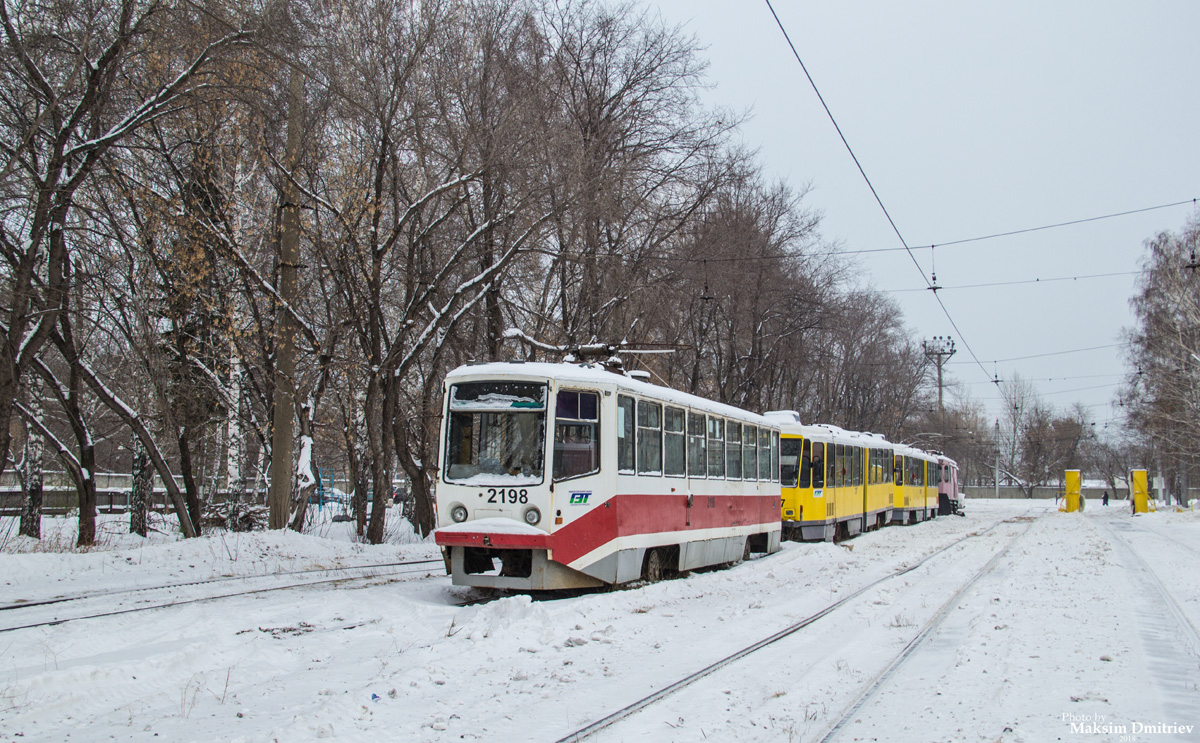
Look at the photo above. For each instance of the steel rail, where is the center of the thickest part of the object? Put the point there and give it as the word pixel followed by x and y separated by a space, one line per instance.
pixel 931 624
pixel 206 581
pixel 628 710
pixel 202 599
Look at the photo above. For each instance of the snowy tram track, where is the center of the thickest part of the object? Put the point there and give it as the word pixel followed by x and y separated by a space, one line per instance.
pixel 378 570
pixel 641 704
pixel 889 671
pixel 26 604
pixel 1161 638
pixel 1143 527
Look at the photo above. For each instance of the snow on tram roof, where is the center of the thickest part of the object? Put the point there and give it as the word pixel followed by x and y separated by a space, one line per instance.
pixel 591 374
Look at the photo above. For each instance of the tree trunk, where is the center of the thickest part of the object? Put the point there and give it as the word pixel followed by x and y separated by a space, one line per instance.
pixel 191 492
pixel 141 490
pixel 279 498
pixel 86 487
pixel 31 468
pixel 382 392
pixel 357 455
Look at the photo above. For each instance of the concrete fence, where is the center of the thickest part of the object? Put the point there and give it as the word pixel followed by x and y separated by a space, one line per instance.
pixel 112 493
pixel 1092 494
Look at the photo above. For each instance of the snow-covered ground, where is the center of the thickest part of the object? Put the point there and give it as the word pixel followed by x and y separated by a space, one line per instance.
pixel 1037 626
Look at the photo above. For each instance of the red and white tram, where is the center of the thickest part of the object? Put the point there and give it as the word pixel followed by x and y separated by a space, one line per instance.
pixel 567 475
pixel 949 498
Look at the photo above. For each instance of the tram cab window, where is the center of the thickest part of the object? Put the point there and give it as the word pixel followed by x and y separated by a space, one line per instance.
pixel 716 447
pixel 791 463
pixel 576 434
pixel 649 430
pixel 733 450
pixel 496 432
pixel 697 462
pixel 674 460
pixel 805 478
pixel 749 452
pixel 625 436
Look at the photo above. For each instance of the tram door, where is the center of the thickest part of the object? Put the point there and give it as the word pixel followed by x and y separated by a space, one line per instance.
pixel 697 459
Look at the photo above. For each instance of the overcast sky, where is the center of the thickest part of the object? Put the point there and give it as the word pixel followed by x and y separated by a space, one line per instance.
pixel 972 119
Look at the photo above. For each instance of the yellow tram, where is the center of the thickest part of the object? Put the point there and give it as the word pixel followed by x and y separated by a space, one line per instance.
pixel 916 488
pixel 835 483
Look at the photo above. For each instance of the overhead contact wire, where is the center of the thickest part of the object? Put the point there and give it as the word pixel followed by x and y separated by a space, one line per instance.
pixel 871 186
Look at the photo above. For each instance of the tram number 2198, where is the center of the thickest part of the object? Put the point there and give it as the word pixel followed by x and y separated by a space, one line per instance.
pixel 511 495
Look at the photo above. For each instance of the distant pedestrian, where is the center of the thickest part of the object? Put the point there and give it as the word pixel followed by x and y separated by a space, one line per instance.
pixel 1106 497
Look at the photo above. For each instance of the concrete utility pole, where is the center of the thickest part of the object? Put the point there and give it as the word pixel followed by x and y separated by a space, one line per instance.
pixel 997 459
pixel 939 350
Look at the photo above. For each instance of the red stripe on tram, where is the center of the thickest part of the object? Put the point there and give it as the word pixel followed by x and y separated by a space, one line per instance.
pixel 629 514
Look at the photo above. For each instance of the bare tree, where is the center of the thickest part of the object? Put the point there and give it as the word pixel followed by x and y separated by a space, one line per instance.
pixel 75 86
pixel 1162 389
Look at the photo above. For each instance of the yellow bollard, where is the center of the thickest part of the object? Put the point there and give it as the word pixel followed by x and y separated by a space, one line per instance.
pixel 1073 499
pixel 1139 491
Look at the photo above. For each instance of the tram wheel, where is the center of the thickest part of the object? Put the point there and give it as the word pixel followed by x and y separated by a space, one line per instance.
pixel 655 568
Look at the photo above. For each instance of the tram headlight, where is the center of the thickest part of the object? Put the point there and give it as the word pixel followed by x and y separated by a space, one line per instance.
pixel 532 516
pixel 459 514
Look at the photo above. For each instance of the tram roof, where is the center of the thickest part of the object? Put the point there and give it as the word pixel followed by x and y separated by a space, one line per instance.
pixel 829 432
pixel 596 376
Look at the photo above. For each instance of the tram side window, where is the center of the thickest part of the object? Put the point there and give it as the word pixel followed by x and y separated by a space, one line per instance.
pixel 831 466
pixel 791 463
pixel 857 455
pixel 625 438
pixel 750 452
pixel 733 450
pixel 898 470
pixel 716 447
pixel 649 455
pixel 696 461
pixel 576 434
pixel 818 465
pixel 674 460
pixel 764 455
pixel 775 456
pixel 839 467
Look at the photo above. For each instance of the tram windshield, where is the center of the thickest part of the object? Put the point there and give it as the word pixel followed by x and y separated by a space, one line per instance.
pixel 496 433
